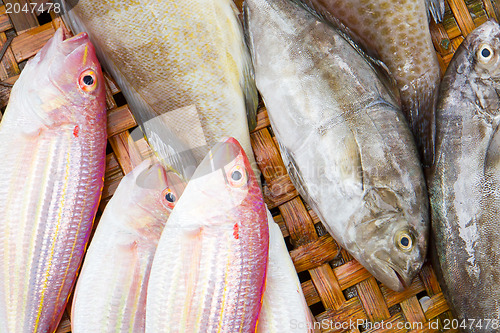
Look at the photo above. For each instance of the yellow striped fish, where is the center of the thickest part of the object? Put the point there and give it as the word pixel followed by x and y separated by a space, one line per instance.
pixel 52 143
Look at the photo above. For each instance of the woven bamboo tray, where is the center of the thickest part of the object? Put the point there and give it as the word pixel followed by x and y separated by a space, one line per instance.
pixel 337 288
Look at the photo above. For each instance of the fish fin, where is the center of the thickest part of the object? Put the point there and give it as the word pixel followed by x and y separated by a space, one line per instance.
pixel 435 8
pixel 247 81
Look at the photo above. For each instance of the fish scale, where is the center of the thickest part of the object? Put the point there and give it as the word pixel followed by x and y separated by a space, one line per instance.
pixel 210 265
pixel 397 32
pixel 53 143
pixel 166 55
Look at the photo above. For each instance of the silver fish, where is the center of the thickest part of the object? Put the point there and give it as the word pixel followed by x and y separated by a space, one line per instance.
pixel 464 184
pixel 344 140
pixel 397 32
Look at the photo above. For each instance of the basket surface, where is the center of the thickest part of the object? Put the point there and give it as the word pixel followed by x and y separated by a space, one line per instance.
pixel 342 295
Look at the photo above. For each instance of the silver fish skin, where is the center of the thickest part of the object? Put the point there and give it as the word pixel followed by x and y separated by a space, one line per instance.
pixel 464 184
pixel 110 295
pixel 346 145
pixel 397 32
pixel 53 148
pixel 167 55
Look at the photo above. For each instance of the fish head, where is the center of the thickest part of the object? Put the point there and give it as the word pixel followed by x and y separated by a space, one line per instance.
pixel 482 48
pixel 147 196
pixel 65 75
pixel 390 237
pixel 224 179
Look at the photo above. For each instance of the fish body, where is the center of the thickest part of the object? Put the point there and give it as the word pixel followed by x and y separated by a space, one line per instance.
pixel 210 265
pixel 345 143
pixel 464 185
pixel 284 307
pixel 397 32
pixel 53 142
pixel 110 295
pixel 167 55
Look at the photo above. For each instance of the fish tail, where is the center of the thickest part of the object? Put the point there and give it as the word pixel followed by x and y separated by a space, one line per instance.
pixel 419 105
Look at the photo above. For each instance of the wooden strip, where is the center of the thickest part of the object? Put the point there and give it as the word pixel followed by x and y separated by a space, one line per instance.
pixel 262 120
pixel 144 148
pixel 429 280
pixel 267 155
pixel 120 120
pixel 412 310
pixel 279 221
pixel 351 273
pixel 395 324
pixel 310 293
pixel 490 9
pixel 373 302
pixel 314 254
pixel 327 286
pixel 126 151
pixel 393 297
pixel 350 311
pixel 440 38
pixel 21 20
pixel 278 191
pixel 29 43
pixel 9 65
pixel 298 222
pixel 4 20
pixel 455 42
pixel 462 15
pixel 437 306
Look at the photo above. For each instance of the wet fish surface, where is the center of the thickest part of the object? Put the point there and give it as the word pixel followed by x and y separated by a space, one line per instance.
pixel 167 55
pixel 53 144
pixel 464 185
pixel 397 32
pixel 110 295
pixel 346 145
pixel 210 265
pixel 284 307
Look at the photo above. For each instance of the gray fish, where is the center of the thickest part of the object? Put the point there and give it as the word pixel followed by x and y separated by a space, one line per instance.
pixel 397 32
pixel 346 144
pixel 464 185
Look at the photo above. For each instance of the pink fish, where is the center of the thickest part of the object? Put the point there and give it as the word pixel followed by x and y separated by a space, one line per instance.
pixel 53 144
pixel 210 265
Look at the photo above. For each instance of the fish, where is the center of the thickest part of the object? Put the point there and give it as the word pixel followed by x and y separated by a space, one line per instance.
pixel 110 295
pixel 343 139
pixel 168 55
pixel 53 146
pixel 464 184
pixel 397 33
pixel 284 307
pixel 210 265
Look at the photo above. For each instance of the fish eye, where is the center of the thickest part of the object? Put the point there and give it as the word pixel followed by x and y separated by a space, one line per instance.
pixel 404 240
pixel 237 176
pixel 485 53
pixel 88 80
pixel 168 198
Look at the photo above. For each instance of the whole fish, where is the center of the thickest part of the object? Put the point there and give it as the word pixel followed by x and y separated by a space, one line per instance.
pixel 167 55
pixel 210 265
pixel 345 143
pixel 464 185
pixel 110 295
pixel 397 32
pixel 284 308
pixel 53 145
